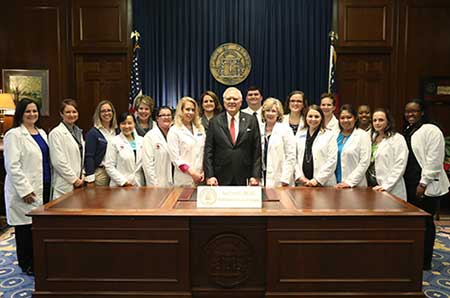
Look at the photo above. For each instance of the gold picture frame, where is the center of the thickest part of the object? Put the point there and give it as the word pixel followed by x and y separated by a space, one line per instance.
pixel 31 83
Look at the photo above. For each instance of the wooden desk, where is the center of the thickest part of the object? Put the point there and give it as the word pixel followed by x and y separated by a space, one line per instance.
pixel 147 242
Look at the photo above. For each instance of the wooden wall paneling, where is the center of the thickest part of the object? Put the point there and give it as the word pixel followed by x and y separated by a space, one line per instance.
pixel 98 77
pixel 424 49
pixel 366 23
pixel 37 39
pixel 363 79
pixel 100 24
pixel 7 27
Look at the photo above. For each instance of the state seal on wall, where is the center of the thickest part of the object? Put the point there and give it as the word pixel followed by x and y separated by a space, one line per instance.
pixel 230 64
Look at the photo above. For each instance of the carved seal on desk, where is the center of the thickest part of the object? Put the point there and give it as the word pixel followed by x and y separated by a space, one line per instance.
pixel 230 64
pixel 229 258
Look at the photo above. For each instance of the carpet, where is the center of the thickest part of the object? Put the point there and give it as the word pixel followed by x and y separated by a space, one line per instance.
pixel 15 284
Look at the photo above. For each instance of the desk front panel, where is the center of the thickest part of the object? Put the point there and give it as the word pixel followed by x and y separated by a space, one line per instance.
pixel 150 242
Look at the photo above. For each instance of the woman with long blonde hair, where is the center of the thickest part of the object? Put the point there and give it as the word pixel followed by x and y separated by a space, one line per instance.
pixel 186 140
pixel 97 139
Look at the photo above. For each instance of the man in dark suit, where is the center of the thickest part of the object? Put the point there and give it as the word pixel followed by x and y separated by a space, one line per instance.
pixel 233 145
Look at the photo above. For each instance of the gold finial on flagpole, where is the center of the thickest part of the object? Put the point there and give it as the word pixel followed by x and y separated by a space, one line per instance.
pixel 135 35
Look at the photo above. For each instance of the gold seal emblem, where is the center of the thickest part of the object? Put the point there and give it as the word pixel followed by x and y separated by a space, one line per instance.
pixel 230 64
pixel 208 196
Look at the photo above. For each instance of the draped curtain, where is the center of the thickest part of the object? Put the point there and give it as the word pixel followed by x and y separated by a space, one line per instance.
pixel 287 41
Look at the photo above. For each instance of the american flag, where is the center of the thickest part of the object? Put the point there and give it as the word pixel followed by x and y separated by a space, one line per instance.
pixel 136 83
pixel 332 86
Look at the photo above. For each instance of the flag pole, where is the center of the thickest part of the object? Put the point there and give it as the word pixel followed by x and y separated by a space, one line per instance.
pixel 332 85
pixel 135 77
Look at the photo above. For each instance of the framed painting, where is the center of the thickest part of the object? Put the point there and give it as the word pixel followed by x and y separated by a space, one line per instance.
pixel 31 83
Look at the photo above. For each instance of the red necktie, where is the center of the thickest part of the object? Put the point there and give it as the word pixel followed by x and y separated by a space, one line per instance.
pixel 232 132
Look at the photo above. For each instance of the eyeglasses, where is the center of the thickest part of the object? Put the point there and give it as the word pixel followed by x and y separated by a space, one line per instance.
pixel 105 111
pixel 165 115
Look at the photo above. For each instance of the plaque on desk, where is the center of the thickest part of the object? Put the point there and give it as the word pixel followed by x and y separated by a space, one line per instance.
pixel 229 197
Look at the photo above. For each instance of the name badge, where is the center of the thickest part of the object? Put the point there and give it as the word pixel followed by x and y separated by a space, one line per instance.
pixel 229 197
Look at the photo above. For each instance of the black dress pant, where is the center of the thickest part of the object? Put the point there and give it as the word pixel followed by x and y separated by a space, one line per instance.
pixel 430 205
pixel 24 238
pixel 24 246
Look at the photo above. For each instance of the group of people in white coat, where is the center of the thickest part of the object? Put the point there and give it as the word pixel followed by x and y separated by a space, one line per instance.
pixel 301 144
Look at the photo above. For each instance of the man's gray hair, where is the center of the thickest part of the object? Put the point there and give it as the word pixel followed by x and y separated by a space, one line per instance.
pixel 230 90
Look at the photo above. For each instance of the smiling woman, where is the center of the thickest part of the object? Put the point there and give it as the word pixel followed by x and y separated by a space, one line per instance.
pixel 67 150
pixel 353 150
pixel 123 158
pixel 278 146
pixel 144 108
pixel 389 156
pixel 425 179
pixel 316 151
pixel 97 138
pixel 186 140
pixel 28 176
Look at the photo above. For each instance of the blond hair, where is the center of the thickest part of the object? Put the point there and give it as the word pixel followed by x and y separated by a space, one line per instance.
pixel 268 104
pixel 144 99
pixel 96 117
pixel 179 113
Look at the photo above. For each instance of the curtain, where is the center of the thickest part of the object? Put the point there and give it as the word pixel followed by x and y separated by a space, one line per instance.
pixel 287 41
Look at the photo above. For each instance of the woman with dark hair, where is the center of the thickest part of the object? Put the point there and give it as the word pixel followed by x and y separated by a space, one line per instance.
pixel 209 107
pixel 156 159
pixel 364 117
pixel 425 178
pixel 67 150
pixel 353 150
pixel 316 151
pixel 123 159
pixel 389 156
pixel 295 107
pixel 28 176
pixel 97 138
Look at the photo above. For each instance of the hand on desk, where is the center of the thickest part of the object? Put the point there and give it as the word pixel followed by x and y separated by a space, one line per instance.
pixel 212 181
pixel 378 188
pixel 342 185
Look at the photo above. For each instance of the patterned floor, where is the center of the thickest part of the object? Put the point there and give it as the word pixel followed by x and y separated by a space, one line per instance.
pixel 15 284
pixel 436 282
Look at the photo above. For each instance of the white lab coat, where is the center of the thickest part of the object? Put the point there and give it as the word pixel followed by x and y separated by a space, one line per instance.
pixel 355 158
pixel 333 125
pixel 324 152
pixel 121 164
pixel 24 174
pixel 280 155
pixel 66 160
pixel 156 160
pixel 301 123
pixel 428 146
pixel 391 158
pixel 186 148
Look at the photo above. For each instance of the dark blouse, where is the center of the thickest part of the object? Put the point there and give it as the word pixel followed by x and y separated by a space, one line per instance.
pixel 45 157
pixel 308 158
